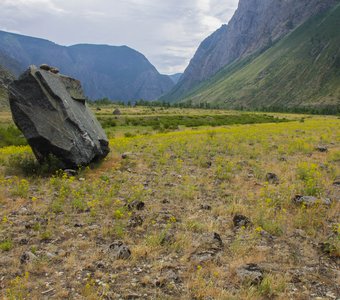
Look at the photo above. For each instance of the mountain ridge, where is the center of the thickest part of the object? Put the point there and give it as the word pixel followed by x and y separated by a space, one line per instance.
pixel 301 70
pixel 256 25
pixel 116 72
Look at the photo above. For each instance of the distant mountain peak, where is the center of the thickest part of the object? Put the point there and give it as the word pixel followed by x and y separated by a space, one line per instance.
pixel 115 72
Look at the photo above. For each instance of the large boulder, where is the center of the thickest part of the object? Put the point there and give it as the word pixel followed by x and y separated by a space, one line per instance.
pixel 51 112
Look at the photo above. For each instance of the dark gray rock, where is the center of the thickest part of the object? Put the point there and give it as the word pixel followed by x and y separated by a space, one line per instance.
pixel 70 172
pixel 27 257
pixel 272 178
pixel 322 148
pixel 117 112
pixel 138 205
pixel 45 67
pixel 206 207
pixel 209 246
pixel 135 221
pixel 337 182
pixel 119 250
pixel 241 221
pixel 250 273
pixel 51 112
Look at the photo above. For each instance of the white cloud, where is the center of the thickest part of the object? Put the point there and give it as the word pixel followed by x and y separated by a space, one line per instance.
pixel 167 32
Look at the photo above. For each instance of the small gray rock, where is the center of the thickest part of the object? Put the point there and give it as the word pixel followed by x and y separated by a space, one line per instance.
pixel 27 257
pixel 70 172
pixel 138 205
pixel 250 273
pixel 337 182
pixel 119 250
pixel 45 67
pixel 116 112
pixel 241 221
pixel 135 221
pixel 54 70
pixel 311 200
pixel 322 148
pixel 272 178
pixel 206 207
pixel 210 245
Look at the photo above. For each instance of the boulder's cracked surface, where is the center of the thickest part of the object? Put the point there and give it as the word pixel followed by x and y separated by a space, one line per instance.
pixel 51 112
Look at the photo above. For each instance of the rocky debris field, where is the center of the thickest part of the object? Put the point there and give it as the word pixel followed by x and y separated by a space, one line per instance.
pixel 238 212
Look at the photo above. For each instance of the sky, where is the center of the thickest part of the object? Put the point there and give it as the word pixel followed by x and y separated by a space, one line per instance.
pixel 166 32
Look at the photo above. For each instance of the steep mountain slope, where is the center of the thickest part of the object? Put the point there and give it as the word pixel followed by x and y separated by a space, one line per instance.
pixel 256 25
pixel 175 77
pixel 5 78
pixel 301 70
pixel 105 71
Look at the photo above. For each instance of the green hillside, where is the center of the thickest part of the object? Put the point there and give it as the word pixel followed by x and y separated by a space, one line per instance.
pixel 5 78
pixel 300 71
pixel 3 98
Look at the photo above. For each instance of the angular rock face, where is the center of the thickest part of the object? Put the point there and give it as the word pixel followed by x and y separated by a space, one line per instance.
pixel 51 112
pixel 256 25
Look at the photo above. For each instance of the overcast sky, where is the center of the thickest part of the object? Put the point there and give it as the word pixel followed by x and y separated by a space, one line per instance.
pixel 167 32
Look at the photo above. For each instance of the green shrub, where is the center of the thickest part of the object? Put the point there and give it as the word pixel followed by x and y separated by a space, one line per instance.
pixel 11 136
pixel 6 245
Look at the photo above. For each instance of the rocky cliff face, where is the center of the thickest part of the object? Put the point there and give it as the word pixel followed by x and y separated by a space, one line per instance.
pixel 256 25
pixel 119 73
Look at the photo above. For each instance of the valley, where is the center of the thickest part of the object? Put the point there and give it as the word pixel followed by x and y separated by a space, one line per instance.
pixel 178 213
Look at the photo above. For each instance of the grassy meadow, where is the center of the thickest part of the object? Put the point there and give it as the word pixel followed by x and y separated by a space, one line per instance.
pixel 169 191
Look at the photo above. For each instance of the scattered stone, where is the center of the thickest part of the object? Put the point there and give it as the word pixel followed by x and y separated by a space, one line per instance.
pixel 119 250
pixel 45 67
pixel 51 112
pixel 311 200
pixel 168 275
pixel 250 273
pixel 272 178
pixel 337 181
pixel 331 295
pixel 322 148
pixel 100 265
pixel 138 205
pixel 23 242
pixel 70 172
pixel 135 221
pixel 117 112
pixel 50 255
pixel 54 70
pixel 126 155
pixel 210 245
pixel 27 257
pixel 241 221
pixel 206 207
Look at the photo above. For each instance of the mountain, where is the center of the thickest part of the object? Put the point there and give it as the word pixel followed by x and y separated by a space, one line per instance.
pixel 105 71
pixel 302 71
pixel 255 26
pixel 175 77
pixel 5 78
